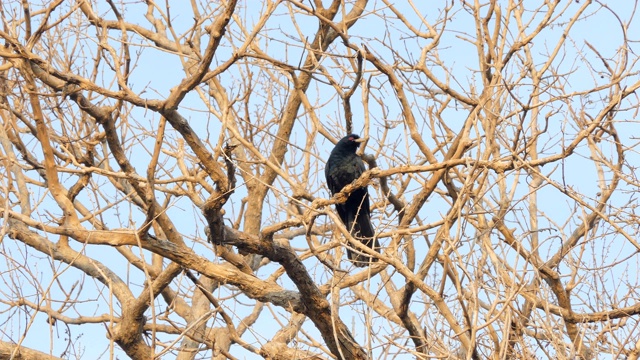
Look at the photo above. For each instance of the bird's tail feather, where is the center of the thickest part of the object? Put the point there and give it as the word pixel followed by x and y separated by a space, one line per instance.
pixel 362 230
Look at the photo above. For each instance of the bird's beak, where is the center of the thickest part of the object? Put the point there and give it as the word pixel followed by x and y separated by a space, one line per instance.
pixel 361 140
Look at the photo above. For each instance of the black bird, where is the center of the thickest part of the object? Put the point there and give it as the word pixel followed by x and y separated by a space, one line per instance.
pixel 344 167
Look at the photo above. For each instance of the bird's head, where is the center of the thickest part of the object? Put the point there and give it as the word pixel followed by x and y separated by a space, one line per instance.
pixel 351 141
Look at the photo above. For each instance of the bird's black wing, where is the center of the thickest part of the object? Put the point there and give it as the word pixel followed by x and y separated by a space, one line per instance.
pixel 355 212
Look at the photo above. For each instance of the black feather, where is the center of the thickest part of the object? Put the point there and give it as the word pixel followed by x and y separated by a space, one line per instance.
pixel 343 167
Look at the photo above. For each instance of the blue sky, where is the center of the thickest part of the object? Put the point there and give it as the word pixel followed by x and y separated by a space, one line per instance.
pixel 156 72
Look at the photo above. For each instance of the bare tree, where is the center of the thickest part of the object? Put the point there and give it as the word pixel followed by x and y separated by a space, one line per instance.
pixel 162 192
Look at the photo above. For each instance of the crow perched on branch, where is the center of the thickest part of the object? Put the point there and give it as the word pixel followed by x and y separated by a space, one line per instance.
pixel 344 167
